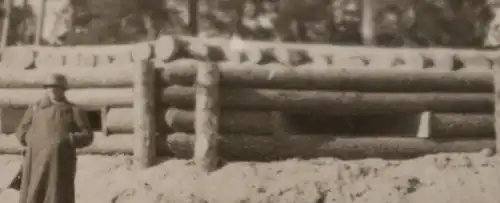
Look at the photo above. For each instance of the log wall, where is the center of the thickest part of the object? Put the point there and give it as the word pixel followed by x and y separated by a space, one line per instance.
pixel 331 100
pixel 169 48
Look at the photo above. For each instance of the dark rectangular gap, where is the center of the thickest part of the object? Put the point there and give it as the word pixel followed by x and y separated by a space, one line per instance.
pixel 95 120
pixel 304 123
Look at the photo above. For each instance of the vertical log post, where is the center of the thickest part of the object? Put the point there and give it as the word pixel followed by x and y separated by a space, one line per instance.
pixel 207 115
pixel 496 75
pixel 5 34
pixel 104 113
pixel 6 22
pixel 40 21
pixel 367 24
pixel 193 17
pixel 144 115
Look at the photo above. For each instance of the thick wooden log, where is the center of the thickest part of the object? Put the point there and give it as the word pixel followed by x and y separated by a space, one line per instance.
pixel 368 22
pixel 169 47
pixel 120 120
pixel 409 60
pixel 112 145
pixel 103 60
pixel 17 57
pixel 442 125
pixel 91 99
pixel 141 51
pixel 462 125
pixel 165 48
pixel 290 57
pixel 247 147
pixel 49 59
pixel 474 62
pixel 337 102
pixel 144 115
pixel 122 58
pixel 356 79
pixel 72 58
pixel 207 111
pixel 234 51
pixel 7 16
pixel 88 60
pixel 78 77
pixel 333 49
pixel 40 20
pixel 320 59
pixel 496 73
pixel 439 61
pixel 230 121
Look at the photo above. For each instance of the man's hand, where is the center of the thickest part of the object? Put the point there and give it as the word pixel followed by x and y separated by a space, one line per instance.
pixel 79 139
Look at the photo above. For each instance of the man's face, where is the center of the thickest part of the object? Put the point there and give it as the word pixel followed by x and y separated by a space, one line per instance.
pixel 55 92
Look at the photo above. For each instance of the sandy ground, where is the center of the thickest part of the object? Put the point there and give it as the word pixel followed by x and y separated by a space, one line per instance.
pixel 440 178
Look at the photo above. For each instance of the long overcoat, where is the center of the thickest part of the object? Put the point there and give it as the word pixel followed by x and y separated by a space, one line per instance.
pixel 51 133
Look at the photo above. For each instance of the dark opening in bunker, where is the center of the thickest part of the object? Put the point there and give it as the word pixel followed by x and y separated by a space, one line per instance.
pixel 95 120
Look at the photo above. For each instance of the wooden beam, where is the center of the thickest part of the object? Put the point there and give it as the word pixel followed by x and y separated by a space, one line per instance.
pixel 331 78
pixel 193 17
pixel 90 99
pixel 40 22
pixel 328 102
pixel 449 125
pixel 207 111
pixel 6 22
pixel 252 147
pixel 78 77
pixel 496 74
pixel 367 22
pixel 144 115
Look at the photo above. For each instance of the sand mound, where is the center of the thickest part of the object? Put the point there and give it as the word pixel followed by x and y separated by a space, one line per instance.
pixel 438 178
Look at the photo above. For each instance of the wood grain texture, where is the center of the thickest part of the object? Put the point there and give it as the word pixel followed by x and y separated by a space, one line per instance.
pixel 144 115
pixel 251 147
pixel 496 73
pixel 338 102
pixel 78 77
pixel 330 78
pixel 207 113
pixel 91 99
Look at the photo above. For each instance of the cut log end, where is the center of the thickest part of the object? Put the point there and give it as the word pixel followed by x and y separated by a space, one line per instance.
pixel 141 52
pixel 424 127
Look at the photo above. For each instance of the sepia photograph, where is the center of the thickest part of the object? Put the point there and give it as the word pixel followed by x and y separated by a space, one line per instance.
pixel 249 101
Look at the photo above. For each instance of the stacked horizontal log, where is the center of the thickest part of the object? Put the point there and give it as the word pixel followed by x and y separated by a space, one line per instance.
pixel 28 57
pixel 361 107
pixel 169 48
pixel 267 88
pixel 91 88
pixel 259 52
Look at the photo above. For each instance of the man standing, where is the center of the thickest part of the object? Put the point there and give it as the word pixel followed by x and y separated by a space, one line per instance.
pixel 51 130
